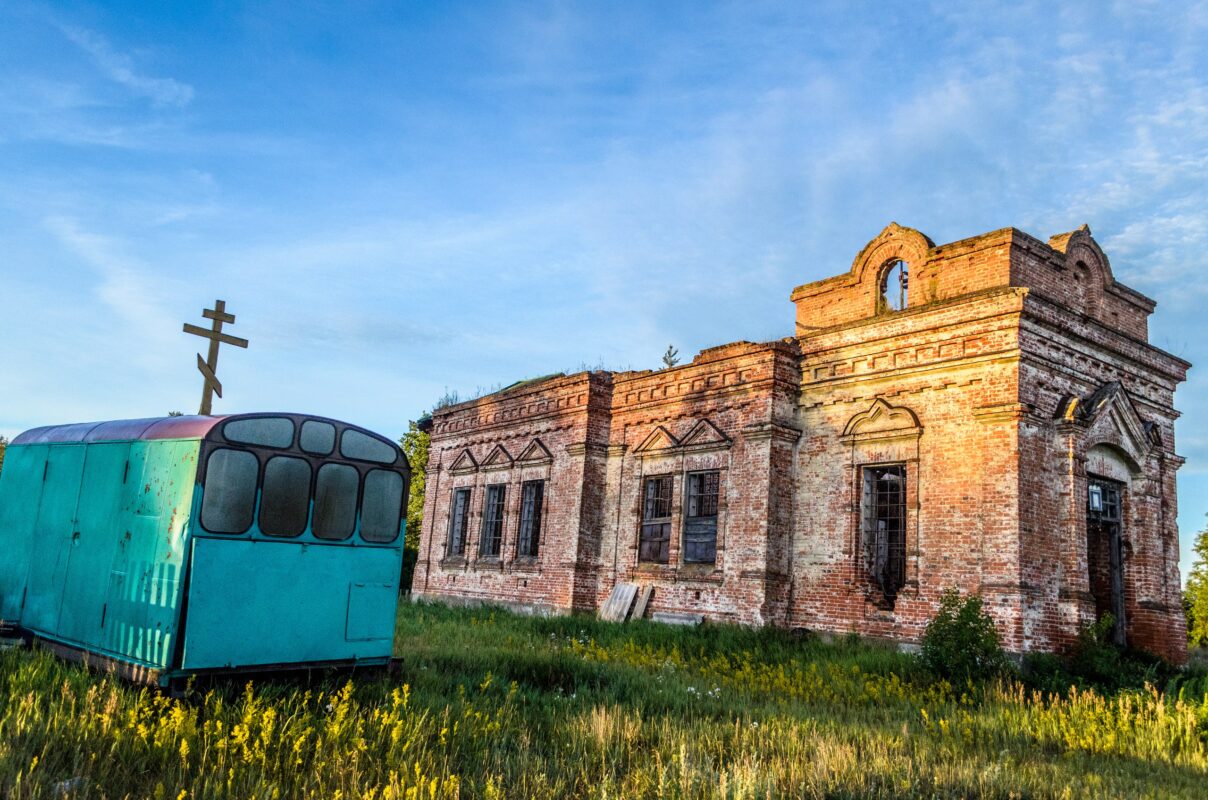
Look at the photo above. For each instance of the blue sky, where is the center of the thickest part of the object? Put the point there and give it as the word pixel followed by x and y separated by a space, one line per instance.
pixel 399 199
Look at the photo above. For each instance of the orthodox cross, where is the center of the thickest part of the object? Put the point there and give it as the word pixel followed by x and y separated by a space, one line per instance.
pixel 209 365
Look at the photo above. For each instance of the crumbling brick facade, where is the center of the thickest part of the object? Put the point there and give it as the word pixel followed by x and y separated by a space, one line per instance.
pixel 986 415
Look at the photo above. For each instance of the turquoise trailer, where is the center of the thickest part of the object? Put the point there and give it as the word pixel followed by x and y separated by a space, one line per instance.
pixel 179 546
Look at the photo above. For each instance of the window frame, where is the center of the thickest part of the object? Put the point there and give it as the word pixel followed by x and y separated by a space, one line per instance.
pixel 458 492
pixel 647 522
pixel 253 513
pixel 494 512
pixel 693 517
pixel 356 502
pixel 310 493
pixel 398 518
pixel 884 556
pixel 528 542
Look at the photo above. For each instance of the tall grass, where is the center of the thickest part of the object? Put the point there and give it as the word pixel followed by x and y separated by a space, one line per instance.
pixel 493 705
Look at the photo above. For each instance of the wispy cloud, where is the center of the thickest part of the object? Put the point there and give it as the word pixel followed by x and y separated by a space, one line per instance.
pixel 120 68
pixel 125 286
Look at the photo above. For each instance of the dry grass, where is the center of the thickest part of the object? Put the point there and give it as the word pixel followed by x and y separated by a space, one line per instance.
pixel 493 705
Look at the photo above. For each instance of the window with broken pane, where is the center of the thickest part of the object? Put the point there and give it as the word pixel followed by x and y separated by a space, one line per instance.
pixel 459 520
pixel 700 518
pixel 492 521
pixel 532 498
pixel 654 544
pixel 883 515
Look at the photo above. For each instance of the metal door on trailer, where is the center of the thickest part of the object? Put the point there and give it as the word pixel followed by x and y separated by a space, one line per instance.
pixel 52 538
pixel 93 543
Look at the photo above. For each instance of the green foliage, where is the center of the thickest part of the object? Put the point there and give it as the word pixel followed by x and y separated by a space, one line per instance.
pixel 488 704
pixel 415 444
pixel 1196 596
pixel 1095 662
pixel 961 642
pixel 3 447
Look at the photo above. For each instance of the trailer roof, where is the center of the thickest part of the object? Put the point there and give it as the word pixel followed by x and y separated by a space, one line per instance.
pixel 192 427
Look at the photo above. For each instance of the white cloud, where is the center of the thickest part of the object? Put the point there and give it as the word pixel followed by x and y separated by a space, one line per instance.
pixel 126 287
pixel 119 68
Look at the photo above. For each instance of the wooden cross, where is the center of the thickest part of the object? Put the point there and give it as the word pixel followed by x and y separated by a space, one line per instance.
pixel 209 365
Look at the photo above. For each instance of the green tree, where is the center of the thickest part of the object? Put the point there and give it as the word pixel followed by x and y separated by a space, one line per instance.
pixel 415 444
pixel 1196 596
pixel 3 447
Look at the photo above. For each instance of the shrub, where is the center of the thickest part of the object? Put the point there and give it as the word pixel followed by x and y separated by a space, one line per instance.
pixel 961 642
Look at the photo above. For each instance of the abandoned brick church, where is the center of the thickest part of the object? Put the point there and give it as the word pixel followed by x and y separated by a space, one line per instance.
pixel 987 415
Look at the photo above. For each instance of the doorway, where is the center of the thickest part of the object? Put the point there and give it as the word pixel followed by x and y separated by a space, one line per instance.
pixel 1105 551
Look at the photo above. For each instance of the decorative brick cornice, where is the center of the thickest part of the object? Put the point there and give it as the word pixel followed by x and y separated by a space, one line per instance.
pixel 763 431
pixel 586 448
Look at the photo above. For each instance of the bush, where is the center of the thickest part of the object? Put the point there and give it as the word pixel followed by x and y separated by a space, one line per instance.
pixel 961 642
pixel 1095 662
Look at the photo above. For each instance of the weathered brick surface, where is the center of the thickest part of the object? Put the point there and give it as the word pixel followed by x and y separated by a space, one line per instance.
pixel 1018 369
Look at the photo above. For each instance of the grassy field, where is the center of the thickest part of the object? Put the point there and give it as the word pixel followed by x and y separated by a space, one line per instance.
pixel 492 705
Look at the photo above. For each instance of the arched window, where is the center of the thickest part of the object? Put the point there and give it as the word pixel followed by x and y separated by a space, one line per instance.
pixel 894 278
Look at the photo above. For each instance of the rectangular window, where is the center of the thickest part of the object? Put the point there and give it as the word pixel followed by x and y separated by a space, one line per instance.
pixel 492 521
pixel 654 544
pixel 700 519
pixel 532 500
pixel 459 521
pixel 884 527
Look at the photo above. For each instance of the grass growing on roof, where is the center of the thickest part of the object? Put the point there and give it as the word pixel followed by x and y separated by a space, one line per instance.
pixel 489 704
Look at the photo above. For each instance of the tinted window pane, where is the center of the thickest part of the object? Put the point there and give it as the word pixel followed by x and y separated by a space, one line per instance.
pixel 382 506
pixel 335 501
pixel 285 500
pixel 266 431
pixel 229 496
pixel 354 444
pixel 317 437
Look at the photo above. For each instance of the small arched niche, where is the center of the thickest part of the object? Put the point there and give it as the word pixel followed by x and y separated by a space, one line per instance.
pixel 893 286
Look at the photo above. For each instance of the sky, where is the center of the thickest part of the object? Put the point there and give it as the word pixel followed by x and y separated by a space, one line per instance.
pixel 402 200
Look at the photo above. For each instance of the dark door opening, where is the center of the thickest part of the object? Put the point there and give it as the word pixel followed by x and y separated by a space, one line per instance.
pixel 1105 552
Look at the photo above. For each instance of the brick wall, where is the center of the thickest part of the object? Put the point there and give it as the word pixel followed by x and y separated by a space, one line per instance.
pixel 1018 369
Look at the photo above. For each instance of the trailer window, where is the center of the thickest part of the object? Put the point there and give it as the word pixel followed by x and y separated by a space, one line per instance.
pixel 354 444
pixel 381 506
pixel 317 437
pixel 229 497
pixel 285 498
pixel 335 501
pixel 265 431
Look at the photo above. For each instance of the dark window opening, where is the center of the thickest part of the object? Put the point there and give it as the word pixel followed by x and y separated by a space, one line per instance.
pixel 895 279
pixel 700 521
pixel 884 526
pixel 1105 551
pixel 381 506
pixel 335 501
pixel 492 521
pixel 532 500
pixel 285 499
pixel 265 431
pixel 229 497
pixel 654 545
pixel 459 521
